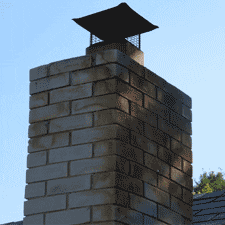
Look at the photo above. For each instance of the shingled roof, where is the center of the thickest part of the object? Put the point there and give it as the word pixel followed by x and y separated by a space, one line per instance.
pixel 14 223
pixel 209 209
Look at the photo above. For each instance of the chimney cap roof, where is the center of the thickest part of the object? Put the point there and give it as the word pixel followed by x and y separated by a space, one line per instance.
pixel 115 23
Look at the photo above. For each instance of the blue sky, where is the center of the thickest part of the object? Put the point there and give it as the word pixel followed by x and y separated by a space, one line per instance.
pixel 187 51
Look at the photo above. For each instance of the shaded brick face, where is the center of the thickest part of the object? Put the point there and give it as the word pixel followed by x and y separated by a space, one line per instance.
pixel 110 143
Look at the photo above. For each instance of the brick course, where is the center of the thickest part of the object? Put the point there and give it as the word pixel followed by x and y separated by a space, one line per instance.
pixel 110 143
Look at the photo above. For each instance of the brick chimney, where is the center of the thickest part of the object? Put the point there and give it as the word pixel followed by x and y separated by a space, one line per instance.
pixel 109 142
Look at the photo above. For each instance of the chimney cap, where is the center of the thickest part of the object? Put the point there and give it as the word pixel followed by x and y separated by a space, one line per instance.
pixel 115 23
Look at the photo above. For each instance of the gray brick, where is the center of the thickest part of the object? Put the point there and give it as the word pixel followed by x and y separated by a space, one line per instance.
pixel 181 122
pixel 156 135
pixel 98 197
pixel 93 165
pixel 118 70
pixel 121 87
pixel 144 114
pixel 72 184
pixel 143 205
pixel 143 85
pixel 75 216
pixel 130 184
pixel 111 56
pixel 169 157
pixel 155 79
pixel 151 221
pixel 49 83
pixel 115 179
pixel 135 67
pixel 112 147
pixel 37 100
pixel 118 213
pixel 186 100
pixel 104 180
pixel 45 204
pixel 50 141
pixel 139 141
pixel 49 112
pixel 99 73
pixel 178 94
pixel 114 55
pixel 169 100
pixel 152 148
pixel 181 178
pixel 153 193
pixel 35 190
pixel 103 87
pixel 169 216
pixel 70 64
pixel 156 107
pixel 135 54
pixel 70 153
pixel 71 123
pixel 169 128
pixel 34 220
pixel 188 196
pixel 180 207
pixel 167 87
pixel 177 107
pixel 187 167
pixel 100 103
pixel 37 129
pixel 187 113
pixel 38 72
pixel 100 133
pixel 178 176
pixel 156 164
pixel 120 148
pixel 162 95
pixel 186 139
pixel 46 172
pixel 71 93
pixel 169 186
pixel 143 173
pixel 36 159
pixel 181 150
pixel 149 145
pixel 107 147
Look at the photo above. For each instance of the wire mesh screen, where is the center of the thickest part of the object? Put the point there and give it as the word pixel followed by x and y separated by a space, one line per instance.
pixel 95 39
pixel 135 40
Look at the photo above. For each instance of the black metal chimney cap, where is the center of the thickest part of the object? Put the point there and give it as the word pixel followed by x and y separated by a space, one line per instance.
pixel 115 23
